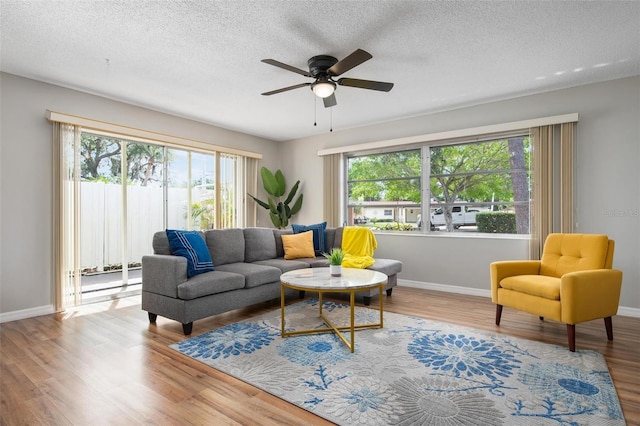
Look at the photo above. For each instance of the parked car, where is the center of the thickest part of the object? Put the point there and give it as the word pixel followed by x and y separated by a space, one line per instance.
pixel 460 216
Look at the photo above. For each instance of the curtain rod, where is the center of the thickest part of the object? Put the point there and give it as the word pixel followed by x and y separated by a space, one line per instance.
pixel 451 134
pixel 89 123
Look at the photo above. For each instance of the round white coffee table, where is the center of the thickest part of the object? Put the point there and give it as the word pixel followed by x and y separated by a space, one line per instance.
pixel 319 279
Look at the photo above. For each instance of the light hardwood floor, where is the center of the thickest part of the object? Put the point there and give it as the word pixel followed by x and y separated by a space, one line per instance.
pixel 105 364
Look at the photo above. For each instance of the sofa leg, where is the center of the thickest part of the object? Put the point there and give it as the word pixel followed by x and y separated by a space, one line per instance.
pixel 152 317
pixel 609 326
pixel 541 318
pixel 301 294
pixel 187 328
pixel 389 290
pixel 367 300
pixel 571 335
pixel 498 314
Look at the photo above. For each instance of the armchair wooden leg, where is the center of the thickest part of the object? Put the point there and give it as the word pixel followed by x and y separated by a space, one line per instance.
pixel 498 314
pixel 571 335
pixel 609 326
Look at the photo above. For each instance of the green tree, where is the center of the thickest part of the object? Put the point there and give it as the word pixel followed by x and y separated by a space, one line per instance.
pixel 143 162
pixel 101 158
pixel 397 177
pixel 520 182
pixel 459 172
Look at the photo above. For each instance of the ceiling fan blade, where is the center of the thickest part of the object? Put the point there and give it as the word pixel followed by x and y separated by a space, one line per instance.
pixel 286 67
pixel 330 101
pixel 284 89
pixel 366 84
pixel 351 61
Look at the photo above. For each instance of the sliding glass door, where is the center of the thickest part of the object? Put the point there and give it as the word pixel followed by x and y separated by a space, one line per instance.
pixel 121 206
pixel 112 192
pixel 116 193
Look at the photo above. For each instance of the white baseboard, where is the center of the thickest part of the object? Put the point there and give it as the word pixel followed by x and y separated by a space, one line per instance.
pixel 622 310
pixel 445 288
pixel 26 313
pixel 628 312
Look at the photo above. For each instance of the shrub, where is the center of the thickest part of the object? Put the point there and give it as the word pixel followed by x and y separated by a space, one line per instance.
pixel 394 227
pixel 497 222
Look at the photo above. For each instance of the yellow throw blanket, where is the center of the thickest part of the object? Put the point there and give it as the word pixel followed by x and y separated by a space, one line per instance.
pixel 358 244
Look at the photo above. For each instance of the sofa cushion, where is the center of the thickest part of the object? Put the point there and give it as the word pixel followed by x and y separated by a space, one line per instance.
pixel 334 238
pixel 535 285
pixel 259 244
pixel 278 233
pixel 317 262
pixel 209 283
pixel 286 265
pixel 225 245
pixel 329 239
pixel 298 245
pixel 191 245
pixel 387 266
pixel 254 274
pixel 318 234
pixel 160 243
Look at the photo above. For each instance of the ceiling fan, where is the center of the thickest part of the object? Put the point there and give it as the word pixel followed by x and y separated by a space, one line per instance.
pixel 323 69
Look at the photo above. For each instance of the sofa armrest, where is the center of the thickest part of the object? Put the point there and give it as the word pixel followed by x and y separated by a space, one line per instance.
pixel 509 268
pixel 162 274
pixel 589 295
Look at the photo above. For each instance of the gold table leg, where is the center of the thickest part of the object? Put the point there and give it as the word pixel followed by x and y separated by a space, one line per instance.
pixel 352 327
pixel 282 308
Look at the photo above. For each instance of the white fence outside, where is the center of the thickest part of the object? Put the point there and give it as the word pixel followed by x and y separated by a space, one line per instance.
pixel 101 221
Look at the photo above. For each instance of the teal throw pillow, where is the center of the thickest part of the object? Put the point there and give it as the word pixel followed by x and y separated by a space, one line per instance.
pixel 191 245
pixel 319 235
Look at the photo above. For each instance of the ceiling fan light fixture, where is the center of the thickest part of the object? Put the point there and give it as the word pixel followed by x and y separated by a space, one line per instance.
pixel 323 89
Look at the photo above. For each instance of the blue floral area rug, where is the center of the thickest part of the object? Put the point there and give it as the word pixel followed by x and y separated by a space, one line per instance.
pixel 411 372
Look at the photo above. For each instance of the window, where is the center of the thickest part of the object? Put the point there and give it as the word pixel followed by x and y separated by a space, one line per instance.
pixel 383 189
pixel 479 186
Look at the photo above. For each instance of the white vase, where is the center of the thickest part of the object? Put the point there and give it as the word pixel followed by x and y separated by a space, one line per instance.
pixel 335 270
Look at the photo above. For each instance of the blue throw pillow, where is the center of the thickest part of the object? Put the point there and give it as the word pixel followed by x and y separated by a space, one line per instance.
pixel 191 245
pixel 319 235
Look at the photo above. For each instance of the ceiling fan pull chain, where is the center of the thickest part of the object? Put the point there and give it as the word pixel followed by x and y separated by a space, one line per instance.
pixel 315 109
pixel 331 119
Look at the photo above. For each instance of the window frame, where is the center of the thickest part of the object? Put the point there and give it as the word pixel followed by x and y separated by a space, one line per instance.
pixel 426 176
pixel 381 204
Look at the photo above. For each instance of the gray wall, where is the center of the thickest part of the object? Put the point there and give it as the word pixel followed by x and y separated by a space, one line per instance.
pixel 26 278
pixel 607 183
pixel 608 180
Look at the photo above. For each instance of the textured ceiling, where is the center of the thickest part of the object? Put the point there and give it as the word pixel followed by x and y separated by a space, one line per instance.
pixel 201 59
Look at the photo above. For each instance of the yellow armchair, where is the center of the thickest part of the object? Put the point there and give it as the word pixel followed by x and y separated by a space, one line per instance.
pixel 573 282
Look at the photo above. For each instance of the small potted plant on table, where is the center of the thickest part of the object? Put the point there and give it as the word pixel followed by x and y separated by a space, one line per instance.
pixel 336 256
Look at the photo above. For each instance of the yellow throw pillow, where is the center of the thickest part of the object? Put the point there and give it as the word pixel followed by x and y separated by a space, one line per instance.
pixel 297 246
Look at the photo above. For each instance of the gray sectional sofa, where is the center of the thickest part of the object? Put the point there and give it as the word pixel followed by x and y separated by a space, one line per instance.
pixel 247 267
